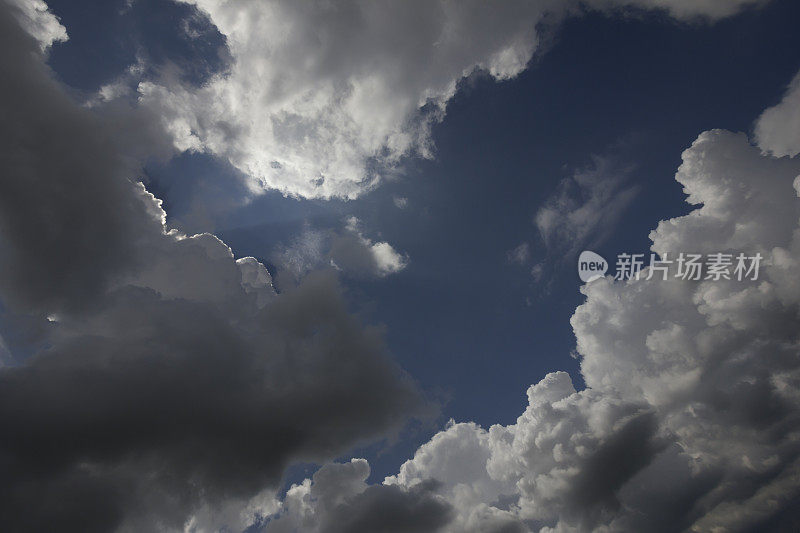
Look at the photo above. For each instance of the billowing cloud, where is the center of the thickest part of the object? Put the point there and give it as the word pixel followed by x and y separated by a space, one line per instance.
pixel 316 91
pixel 169 385
pixel 778 128
pixel 320 96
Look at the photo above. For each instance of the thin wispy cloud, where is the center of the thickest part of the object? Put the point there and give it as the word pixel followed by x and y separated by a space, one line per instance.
pixel 586 208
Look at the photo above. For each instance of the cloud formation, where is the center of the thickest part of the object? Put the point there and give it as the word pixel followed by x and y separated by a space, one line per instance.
pixel 171 384
pixel 320 97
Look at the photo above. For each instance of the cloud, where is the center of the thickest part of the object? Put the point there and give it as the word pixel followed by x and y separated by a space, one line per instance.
pixel 778 129
pixel 306 252
pixel 357 254
pixel 322 98
pixel 171 385
pixel 337 500
pixel 168 383
pixel 35 18
pixel 333 87
pixel 520 255
pixel 586 207
pixel 346 249
pixel 61 164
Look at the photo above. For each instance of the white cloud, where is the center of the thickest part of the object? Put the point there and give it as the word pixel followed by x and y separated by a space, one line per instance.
pixel 778 128
pixel 346 249
pixel 316 90
pixel 586 207
pixel 35 17
pixel 321 95
pixel 359 255
pixel 306 252
pixel 520 254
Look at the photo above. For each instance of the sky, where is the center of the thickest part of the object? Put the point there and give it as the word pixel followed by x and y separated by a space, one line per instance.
pixel 277 266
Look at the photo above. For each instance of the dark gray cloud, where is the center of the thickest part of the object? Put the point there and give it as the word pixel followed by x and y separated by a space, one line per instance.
pixel 174 397
pixel 170 379
pixel 391 509
pixel 69 218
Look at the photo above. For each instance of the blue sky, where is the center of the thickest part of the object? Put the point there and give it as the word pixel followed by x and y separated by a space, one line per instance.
pixel 616 96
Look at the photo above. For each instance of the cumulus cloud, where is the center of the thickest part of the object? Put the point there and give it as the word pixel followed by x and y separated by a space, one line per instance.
pixel 169 385
pixel 778 128
pixel 317 91
pixel 320 97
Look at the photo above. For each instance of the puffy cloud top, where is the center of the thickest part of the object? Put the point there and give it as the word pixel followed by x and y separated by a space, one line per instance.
pixel 321 95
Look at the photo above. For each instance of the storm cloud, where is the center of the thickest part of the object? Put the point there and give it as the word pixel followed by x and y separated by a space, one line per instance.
pixel 172 379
